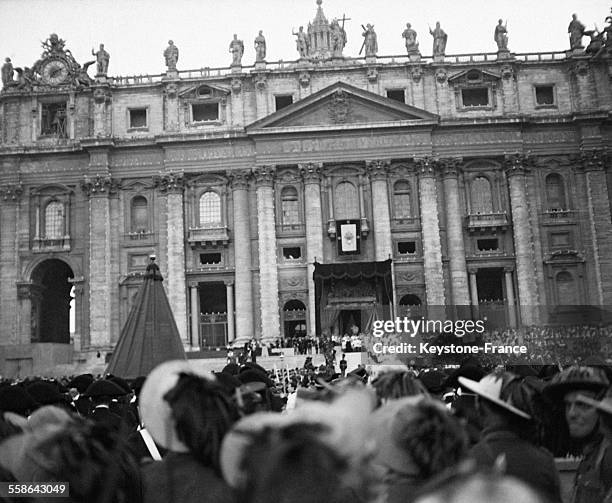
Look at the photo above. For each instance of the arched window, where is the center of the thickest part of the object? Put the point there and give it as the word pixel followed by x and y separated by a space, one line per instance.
pixel 139 214
pixel 410 300
pixel 566 289
pixel 555 192
pixel 290 214
pixel 210 208
pixel 401 200
pixel 482 201
pixel 54 220
pixel 346 202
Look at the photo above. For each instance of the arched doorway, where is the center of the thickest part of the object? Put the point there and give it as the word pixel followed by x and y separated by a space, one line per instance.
pixel 51 306
pixel 294 319
pixel 410 306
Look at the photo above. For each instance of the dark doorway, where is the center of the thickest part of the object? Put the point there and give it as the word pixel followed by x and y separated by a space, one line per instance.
pixel 51 308
pixel 491 301
pixel 294 318
pixel 213 315
pixel 348 318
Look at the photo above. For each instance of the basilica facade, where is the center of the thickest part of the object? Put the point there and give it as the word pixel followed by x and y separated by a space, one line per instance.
pixel 293 198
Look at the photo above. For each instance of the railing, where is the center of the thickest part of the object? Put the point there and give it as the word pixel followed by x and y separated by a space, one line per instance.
pixel 51 244
pixel 559 215
pixel 477 220
pixel 290 228
pixel 216 233
pixel 139 235
pixel 294 314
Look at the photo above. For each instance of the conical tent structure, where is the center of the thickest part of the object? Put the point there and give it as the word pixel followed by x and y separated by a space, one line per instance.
pixel 149 336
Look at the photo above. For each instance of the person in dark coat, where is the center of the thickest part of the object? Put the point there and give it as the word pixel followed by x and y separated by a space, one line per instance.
pixel 101 394
pixel 505 441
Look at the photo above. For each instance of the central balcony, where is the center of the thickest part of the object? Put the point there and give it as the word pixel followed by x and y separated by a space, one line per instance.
pixel 209 235
pixel 480 222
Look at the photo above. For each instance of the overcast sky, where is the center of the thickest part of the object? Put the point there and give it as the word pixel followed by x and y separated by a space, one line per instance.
pixel 135 32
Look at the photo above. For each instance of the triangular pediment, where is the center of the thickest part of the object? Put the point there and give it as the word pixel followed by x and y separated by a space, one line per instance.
pixel 343 105
pixel 204 91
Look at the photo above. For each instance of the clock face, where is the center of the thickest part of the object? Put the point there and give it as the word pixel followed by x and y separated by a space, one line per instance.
pixel 55 72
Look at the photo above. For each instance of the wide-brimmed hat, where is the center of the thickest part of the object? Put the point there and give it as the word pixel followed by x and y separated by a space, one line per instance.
pixel 576 378
pixel 155 410
pixel 604 405
pixel 104 387
pixel 490 387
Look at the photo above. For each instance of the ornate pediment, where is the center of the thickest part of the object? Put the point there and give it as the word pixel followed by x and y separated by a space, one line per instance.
pixel 473 76
pixel 204 91
pixel 343 105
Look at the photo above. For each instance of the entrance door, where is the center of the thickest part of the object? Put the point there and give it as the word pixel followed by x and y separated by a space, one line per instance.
pixel 348 318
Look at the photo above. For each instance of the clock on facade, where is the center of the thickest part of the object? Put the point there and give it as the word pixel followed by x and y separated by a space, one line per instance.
pixel 54 72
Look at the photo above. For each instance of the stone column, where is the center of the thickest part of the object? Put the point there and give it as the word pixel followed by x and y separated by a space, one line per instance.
pixel 101 285
pixel 430 228
pixel 195 316
pixel 172 185
pixel 380 209
pixel 599 221
pixel 242 256
pixel 474 294
pixel 229 295
pixel 268 271
pixel 454 233
pixel 311 174
pixel 516 171
pixel 9 262
pixel 510 297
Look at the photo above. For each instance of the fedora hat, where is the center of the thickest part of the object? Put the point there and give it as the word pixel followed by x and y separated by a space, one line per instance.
pixel 490 387
pixel 155 410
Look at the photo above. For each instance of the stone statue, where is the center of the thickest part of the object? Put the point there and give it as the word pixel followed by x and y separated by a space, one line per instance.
pixel 576 32
pixel 102 58
pixel 24 78
pixel 171 54
pixel 7 73
pixel 338 38
pixel 370 42
pixel 501 36
pixel 236 47
pixel 260 47
pixel 410 36
pixel 597 41
pixel 301 42
pixel 440 38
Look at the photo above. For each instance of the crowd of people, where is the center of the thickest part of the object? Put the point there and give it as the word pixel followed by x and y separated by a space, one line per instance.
pixel 314 434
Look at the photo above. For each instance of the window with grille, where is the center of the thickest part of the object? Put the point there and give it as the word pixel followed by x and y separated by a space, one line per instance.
pixel 54 220
pixel 555 192
pixel 482 202
pixel 289 206
pixel 140 214
pixel 210 208
pixel 401 200
pixel 346 202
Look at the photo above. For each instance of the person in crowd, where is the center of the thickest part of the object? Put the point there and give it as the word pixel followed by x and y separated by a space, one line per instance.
pixel 396 384
pixel 416 438
pixel 188 414
pixel 506 440
pixel 101 393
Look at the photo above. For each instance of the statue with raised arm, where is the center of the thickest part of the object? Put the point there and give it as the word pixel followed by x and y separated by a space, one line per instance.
pixel 236 47
pixel 501 36
pixel 102 59
pixel 260 48
pixel 410 36
pixel 171 54
pixel 440 38
pixel 301 42
pixel 7 73
pixel 576 32
pixel 370 41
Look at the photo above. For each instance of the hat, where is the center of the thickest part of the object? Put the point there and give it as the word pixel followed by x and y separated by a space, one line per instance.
pixel 46 393
pixel 81 382
pixel 16 399
pixel 253 375
pixel 605 405
pixel 104 387
pixel 49 414
pixel 122 383
pixel 155 410
pixel 576 378
pixel 434 381
pixel 490 387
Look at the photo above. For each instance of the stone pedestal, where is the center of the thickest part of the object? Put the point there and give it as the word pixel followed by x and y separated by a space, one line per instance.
pixel 236 68
pixel 504 54
pixel 414 56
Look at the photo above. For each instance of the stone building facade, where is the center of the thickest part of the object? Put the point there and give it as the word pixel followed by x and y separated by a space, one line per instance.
pixel 486 179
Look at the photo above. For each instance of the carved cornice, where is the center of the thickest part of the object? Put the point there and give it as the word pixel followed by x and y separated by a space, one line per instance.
pixel 169 182
pixel 264 175
pixel 99 186
pixel 378 170
pixel 517 164
pixel 11 192
pixel 592 160
pixel 239 179
pixel 311 172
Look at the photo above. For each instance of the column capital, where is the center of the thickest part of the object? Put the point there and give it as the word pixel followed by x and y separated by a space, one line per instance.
pixel 377 169
pixel 517 164
pixel 472 269
pixel 100 185
pixel 509 269
pixel 592 160
pixel 264 175
pixel 239 179
pixel 425 167
pixel 311 171
pixel 11 192
pixel 229 282
pixel 449 166
pixel 169 182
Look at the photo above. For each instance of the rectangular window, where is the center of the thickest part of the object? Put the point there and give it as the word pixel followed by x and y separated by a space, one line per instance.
pixel 204 112
pixel 292 252
pixel 475 97
pixel 138 118
pixel 545 95
pixel 53 120
pixel 283 101
pixel 396 94
pixel 559 239
pixel 210 258
pixel 406 247
pixel 487 244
